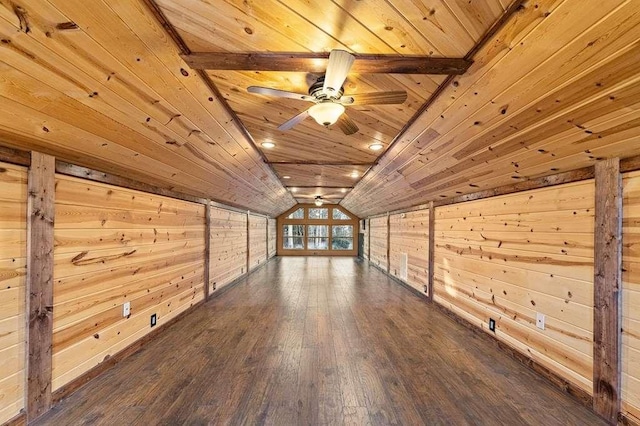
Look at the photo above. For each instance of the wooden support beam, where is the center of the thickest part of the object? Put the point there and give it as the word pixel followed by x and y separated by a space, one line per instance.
pixel 207 249
pixel 248 241
pixel 432 251
pixel 388 243
pixel 607 290
pixel 15 156
pixel 41 214
pixel 319 163
pixel 317 63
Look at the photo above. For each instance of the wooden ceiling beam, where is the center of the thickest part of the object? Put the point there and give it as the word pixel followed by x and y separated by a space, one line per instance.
pixel 317 63
pixel 318 186
pixel 318 163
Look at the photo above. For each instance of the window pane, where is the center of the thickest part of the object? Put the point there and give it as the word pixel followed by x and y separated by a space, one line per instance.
pixel 342 231
pixel 339 215
pixel 342 244
pixel 318 230
pixel 293 243
pixel 318 213
pixel 293 231
pixel 318 244
pixel 298 214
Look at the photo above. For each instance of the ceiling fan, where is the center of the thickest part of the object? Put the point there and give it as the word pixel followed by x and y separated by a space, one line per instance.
pixel 327 94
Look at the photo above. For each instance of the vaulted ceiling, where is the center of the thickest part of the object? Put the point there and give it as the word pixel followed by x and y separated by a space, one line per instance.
pixel 109 85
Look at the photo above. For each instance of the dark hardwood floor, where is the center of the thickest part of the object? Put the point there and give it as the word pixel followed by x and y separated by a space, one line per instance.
pixel 319 341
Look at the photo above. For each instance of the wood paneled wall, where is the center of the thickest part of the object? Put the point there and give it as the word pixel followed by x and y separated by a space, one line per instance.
pixel 114 245
pixel 631 296
pixel 257 240
pixel 367 232
pixel 409 248
pixel 510 257
pixel 13 252
pixel 228 247
pixel 378 241
pixel 273 237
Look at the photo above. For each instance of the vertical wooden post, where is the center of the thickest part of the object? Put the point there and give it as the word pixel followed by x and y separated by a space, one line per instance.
pixel 41 214
pixel 368 239
pixel 267 237
pixel 207 250
pixel 248 241
pixel 388 243
pixel 432 252
pixel 607 290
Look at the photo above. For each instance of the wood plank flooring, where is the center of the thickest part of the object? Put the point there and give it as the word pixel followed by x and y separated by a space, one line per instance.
pixel 319 340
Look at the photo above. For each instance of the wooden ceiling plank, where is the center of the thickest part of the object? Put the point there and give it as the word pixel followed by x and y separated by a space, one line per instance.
pixel 317 63
pixel 437 24
pixel 580 96
pixel 21 82
pixel 233 30
pixel 394 29
pixel 618 30
pixel 193 110
pixel 343 27
pixel 83 118
pixel 238 143
pixel 476 17
pixel 515 30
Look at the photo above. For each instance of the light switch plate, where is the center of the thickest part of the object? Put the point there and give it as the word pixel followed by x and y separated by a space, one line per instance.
pixel 126 309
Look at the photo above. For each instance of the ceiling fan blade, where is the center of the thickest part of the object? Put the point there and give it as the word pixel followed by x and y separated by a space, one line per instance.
pixel 279 93
pixel 347 125
pixel 293 121
pixel 378 98
pixel 340 63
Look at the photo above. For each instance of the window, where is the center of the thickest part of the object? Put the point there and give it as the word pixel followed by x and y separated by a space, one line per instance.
pixel 298 214
pixel 339 215
pixel 318 237
pixel 342 237
pixel 293 237
pixel 319 213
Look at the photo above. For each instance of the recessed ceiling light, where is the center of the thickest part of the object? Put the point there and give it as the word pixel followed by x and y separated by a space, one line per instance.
pixel 268 145
pixel 343 190
pixel 286 177
pixel 376 146
pixel 354 174
pixel 294 189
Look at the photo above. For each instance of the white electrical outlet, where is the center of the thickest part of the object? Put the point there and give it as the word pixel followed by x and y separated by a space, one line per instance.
pixel 540 320
pixel 126 309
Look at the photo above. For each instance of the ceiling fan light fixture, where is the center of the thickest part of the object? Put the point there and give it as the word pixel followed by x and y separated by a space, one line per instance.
pixel 326 113
pixel 318 201
pixel 377 146
pixel 268 145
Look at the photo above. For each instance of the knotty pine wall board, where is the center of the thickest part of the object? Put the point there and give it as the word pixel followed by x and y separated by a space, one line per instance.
pixel 273 237
pixel 367 232
pixel 511 256
pixel 631 295
pixel 378 241
pixel 257 241
pixel 409 235
pixel 114 245
pixel 13 252
pixel 228 247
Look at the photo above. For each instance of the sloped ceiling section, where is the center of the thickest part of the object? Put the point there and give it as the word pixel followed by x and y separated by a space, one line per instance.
pixel 557 89
pixel 100 84
pixel 438 28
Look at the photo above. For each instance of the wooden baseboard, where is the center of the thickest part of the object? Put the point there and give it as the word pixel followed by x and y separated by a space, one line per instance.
pixel 19 420
pixel 110 362
pixel 628 420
